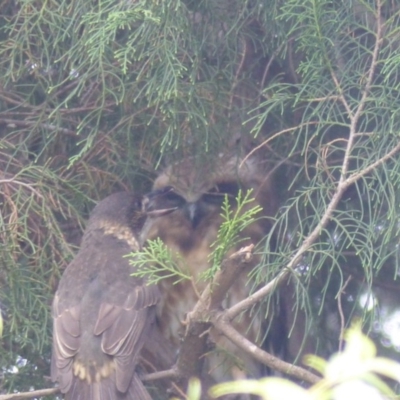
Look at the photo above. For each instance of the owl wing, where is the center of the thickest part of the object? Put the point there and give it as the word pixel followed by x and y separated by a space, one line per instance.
pixel 112 337
pixel 123 330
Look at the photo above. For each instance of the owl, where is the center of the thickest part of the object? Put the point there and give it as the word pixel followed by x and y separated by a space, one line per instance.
pixel 198 191
pixel 101 315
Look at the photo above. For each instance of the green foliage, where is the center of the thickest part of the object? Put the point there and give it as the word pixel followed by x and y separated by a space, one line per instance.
pixel 234 222
pixel 340 147
pixel 156 262
pixel 94 95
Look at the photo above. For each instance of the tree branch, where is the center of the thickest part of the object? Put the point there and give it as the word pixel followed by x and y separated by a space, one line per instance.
pixel 221 322
pixel 194 344
pixel 30 395
pixel 207 309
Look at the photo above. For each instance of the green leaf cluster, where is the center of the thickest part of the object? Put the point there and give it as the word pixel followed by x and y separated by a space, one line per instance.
pixel 95 96
pixel 235 221
pixel 156 262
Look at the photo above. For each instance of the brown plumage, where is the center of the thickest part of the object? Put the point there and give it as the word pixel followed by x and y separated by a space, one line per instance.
pixel 198 190
pixel 101 314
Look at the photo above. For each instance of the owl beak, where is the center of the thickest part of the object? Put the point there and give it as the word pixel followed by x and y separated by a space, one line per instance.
pixel 193 213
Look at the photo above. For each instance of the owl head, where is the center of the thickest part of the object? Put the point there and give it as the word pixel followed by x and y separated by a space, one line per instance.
pixel 125 214
pixel 196 190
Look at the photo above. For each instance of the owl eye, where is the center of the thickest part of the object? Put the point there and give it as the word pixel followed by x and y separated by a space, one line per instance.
pixel 161 202
pixel 217 193
pixel 173 199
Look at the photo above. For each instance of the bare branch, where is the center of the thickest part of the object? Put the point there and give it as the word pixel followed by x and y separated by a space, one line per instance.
pixel 215 292
pixel 207 307
pixel 30 395
pixel 357 175
pixel 50 127
pixel 221 322
pixel 275 135
pixel 167 374
pixel 257 296
pixel 29 186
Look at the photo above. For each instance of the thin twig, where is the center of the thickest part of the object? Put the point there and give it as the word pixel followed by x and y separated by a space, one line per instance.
pixel 13 180
pixel 273 137
pixel 340 309
pixel 169 373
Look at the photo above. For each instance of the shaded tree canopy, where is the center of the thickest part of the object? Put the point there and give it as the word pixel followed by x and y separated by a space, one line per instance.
pixel 96 97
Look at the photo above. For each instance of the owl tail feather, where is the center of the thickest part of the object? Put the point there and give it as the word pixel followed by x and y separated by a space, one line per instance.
pixel 106 390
